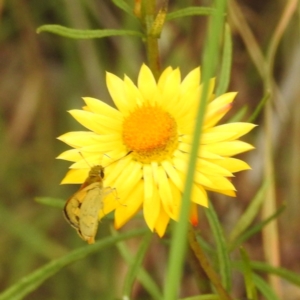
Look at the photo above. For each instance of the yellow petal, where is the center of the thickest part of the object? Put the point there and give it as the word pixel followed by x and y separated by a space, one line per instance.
pixel 115 87
pixel 87 160
pixel 162 222
pixel 211 87
pixel 228 148
pixel 232 164
pixel 133 95
pixel 173 174
pixel 151 208
pixel 216 137
pixel 97 123
pixel 238 129
pixel 217 109
pixel 207 167
pixel 224 192
pixel 176 199
pixel 91 142
pixel 78 139
pixel 171 90
pixel 75 176
pixel 199 195
pixel 191 81
pixel 219 183
pixel 163 78
pixel 146 83
pixel 125 180
pixel 165 192
pixel 133 204
pixel 207 154
pixel 184 109
pixel 148 181
pixel 110 202
pixel 101 108
pixel 70 155
pixel 104 148
pixel 202 179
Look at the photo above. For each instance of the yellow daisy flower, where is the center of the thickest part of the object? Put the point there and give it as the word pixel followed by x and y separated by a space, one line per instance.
pixel 144 145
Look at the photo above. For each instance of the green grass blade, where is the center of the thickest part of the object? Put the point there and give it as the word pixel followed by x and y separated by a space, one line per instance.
pixel 248 276
pixel 143 277
pixel 124 6
pixel 136 265
pixel 203 297
pixel 205 245
pixel 178 243
pixel 259 107
pixel 264 288
pixel 239 115
pixel 32 281
pixel 222 252
pixel 86 34
pixel 30 236
pixel 250 214
pixel 52 202
pixel 189 11
pixel 224 78
pixel 281 272
pixel 253 230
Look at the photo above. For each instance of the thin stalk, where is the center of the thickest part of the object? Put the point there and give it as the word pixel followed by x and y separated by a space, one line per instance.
pixel 178 243
pixel 152 50
pixel 206 266
pixel 270 232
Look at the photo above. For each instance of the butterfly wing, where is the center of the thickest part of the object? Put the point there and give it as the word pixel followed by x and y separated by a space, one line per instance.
pixel 72 207
pixel 89 213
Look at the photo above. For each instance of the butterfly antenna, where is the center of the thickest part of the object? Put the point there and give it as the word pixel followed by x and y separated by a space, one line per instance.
pixel 118 159
pixel 85 159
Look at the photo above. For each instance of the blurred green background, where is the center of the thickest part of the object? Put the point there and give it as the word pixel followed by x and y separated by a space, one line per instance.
pixel 44 75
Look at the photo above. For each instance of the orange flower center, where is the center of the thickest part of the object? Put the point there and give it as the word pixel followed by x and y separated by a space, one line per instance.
pixel 150 133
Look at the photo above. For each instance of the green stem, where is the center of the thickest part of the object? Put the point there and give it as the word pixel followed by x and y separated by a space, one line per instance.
pixel 202 280
pixel 153 55
pixel 148 17
pixel 204 263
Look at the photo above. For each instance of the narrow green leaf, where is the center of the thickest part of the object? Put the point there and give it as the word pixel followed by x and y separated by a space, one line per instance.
pixel 283 273
pixel 180 232
pixel 224 77
pixel 32 281
pixel 29 235
pixel 205 246
pixel 253 230
pixel 124 6
pixel 239 115
pixel 136 265
pixel 250 214
pixel 203 297
pixel 143 277
pixel 53 202
pixel 222 252
pixel 189 11
pixel 248 276
pixel 259 107
pixel 261 285
pixel 86 34
pixel 264 288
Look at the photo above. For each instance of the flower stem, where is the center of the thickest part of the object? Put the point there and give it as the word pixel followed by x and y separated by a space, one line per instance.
pixel 205 265
pixel 148 17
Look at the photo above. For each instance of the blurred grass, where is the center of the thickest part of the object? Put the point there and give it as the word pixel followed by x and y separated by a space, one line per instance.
pixel 42 76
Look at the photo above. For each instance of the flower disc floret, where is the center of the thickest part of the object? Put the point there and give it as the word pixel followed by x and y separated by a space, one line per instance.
pixel 150 133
